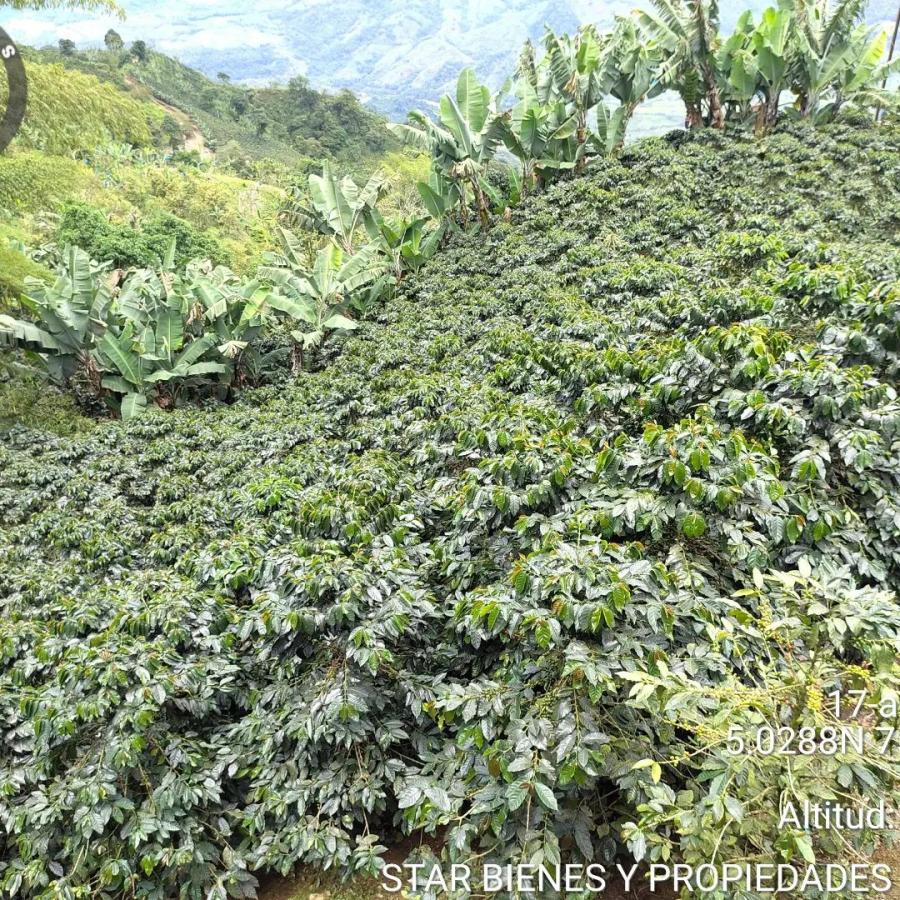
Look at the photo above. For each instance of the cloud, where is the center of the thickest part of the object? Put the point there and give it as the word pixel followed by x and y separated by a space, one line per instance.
pixel 224 36
pixel 83 30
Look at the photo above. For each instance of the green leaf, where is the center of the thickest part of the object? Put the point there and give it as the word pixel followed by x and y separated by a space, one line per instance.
pixel 133 405
pixel 300 309
pixel 408 796
pixel 693 525
pixel 735 808
pixel 516 794
pixel 472 99
pixel 340 322
pixel 118 353
pixel 116 384
pixel 207 368
pixel 545 795
pixel 804 845
pixel 26 333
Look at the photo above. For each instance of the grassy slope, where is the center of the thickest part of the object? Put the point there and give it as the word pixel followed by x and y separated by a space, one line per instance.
pixel 300 123
pixel 202 544
pixel 73 151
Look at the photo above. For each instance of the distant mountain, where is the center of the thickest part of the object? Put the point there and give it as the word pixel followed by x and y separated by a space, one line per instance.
pixel 394 54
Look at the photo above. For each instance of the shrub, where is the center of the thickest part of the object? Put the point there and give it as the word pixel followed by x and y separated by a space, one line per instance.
pixel 527 567
pixel 15 267
pixel 27 401
pixel 70 111
pixel 83 225
pixel 156 336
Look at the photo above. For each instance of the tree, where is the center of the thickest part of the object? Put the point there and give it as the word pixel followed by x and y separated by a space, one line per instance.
pixel 139 51
pixel 113 41
pixel 541 134
pixel 238 106
pixel 318 298
pixel 67 47
pixel 571 70
pixel 464 140
pixel 404 243
pixel 774 47
pixel 630 72
pixel 224 77
pixel 688 30
pixel 338 206
pixel 71 312
pixel 839 58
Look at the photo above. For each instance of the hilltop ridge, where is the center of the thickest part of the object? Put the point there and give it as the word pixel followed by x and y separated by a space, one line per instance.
pixel 291 123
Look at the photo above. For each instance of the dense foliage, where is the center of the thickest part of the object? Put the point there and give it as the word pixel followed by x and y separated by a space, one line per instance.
pixel 84 226
pixel 15 268
pixel 590 490
pixel 31 181
pixel 579 97
pixel 149 337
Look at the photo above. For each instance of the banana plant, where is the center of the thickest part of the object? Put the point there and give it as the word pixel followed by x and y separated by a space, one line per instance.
pixel 630 73
pixel 235 311
pixel 688 32
pixel 150 354
pixel 829 42
pixel 71 313
pixel 440 196
pixel 339 206
pixel 738 69
pixel 318 299
pixel 404 243
pixel 775 49
pixel 160 370
pixel 860 79
pixel 464 140
pixel 572 71
pixel 541 135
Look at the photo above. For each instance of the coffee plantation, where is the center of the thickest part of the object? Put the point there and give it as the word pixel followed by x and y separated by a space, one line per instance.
pixel 530 564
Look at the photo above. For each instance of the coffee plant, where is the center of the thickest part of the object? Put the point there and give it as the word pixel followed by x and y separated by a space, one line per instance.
pixel 598 496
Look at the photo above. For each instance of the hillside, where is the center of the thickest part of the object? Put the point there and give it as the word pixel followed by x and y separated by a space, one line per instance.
pixel 595 488
pixel 292 123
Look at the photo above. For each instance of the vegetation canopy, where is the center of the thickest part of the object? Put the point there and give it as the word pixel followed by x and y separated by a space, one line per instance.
pixel 524 493
pixel 590 491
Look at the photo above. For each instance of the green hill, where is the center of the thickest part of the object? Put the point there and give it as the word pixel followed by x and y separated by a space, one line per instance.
pixel 92 139
pixel 597 488
pixel 289 124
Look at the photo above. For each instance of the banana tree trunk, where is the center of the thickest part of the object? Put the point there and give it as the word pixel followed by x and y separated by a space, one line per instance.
pixel 806 104
pixel 693 115
pixel 623 126
pixel 296 359
pixel 713 99
pixel 463 205
pixel 481 203
pixel 771 110
pixel 529 177
pixel 580 140
pixel 92 373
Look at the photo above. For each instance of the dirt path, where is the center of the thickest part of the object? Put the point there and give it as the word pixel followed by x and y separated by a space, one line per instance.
pixel 193 137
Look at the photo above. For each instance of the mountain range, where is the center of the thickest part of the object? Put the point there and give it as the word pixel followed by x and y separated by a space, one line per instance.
pixel 395 54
